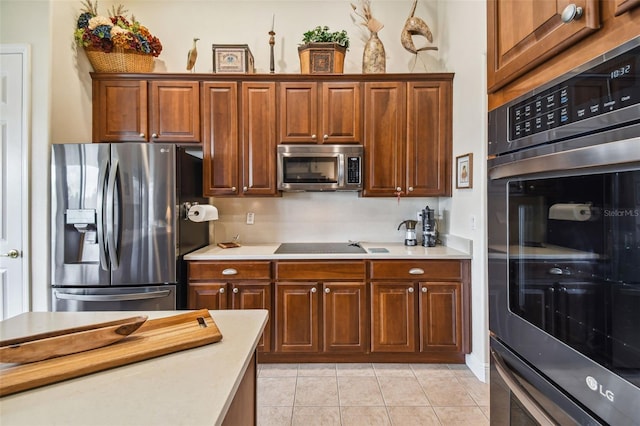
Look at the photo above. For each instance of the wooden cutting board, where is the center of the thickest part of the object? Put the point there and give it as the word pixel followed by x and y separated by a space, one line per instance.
pixel 154 338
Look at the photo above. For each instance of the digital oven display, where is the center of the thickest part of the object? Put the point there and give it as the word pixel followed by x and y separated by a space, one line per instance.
pixel 599 90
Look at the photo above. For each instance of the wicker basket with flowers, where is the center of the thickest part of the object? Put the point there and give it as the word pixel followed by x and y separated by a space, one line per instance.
pixel 115 44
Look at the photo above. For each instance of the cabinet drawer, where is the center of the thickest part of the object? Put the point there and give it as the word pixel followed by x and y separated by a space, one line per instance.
pixel 229 270
pixel 416 270
pixel 320 270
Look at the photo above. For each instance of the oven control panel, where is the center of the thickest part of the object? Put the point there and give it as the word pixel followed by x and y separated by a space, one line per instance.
pixel 601 95
pixel 611 86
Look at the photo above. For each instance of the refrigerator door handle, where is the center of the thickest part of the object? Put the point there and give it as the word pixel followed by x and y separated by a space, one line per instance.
pixel 112 297
pixel 111 224
pixel 530 404
pixel 102 181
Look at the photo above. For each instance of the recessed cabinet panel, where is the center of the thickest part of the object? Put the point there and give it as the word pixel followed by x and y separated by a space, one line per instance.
pixel 220 138
pixel 384 138
pixel 440 316
pixel 296 317
pixel 207 296
pixel 175 111
pixel 341 108
pixel 393 317
pixel 258 138
pixel 119 111
pixel 254 296
pixel 344 317
pixel 298 112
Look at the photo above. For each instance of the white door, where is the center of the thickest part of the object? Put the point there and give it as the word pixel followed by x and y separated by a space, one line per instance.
pixel 14 72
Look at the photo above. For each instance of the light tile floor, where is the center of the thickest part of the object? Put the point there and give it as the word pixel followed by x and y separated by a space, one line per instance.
pixel 370 394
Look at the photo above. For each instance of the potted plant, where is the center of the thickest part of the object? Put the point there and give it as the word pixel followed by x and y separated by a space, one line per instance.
pixel 322 51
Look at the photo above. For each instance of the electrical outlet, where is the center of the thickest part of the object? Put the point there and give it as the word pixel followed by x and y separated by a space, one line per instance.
pixel 250 218
pixel 474 225
pixel 419 215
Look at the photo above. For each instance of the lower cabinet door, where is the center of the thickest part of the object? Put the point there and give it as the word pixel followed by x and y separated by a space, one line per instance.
pixel 207 296
pixel 296 317
pixel 440 317
pixel 393 317
pixel 254 296
pixel 344 317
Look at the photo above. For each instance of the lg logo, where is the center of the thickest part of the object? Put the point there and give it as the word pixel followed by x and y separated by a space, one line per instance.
pixel 596 387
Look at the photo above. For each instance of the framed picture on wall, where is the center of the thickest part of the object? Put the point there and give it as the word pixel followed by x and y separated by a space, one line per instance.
pixel 464 171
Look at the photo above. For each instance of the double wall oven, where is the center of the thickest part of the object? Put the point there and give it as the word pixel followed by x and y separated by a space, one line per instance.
pixel 564 248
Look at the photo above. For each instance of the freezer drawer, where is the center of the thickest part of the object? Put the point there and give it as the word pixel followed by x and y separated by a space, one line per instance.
pixel 148 298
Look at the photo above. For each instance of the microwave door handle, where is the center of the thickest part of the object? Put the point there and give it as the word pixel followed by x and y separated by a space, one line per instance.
pixel 536 411
pixel 111 231
pixel 100 205
pixel 341 178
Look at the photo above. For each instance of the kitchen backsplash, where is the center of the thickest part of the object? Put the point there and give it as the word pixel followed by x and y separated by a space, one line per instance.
pixel 321 217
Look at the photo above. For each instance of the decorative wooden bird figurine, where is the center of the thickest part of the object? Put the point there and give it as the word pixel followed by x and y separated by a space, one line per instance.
pixel 192 56
pixel 415 26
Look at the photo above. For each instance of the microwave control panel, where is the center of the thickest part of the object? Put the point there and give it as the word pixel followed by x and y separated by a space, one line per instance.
pixel 354 170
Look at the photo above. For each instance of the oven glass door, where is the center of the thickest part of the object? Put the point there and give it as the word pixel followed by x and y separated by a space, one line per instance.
pixel 574 264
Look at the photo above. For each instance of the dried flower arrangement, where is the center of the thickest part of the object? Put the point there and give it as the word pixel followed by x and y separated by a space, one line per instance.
pixel 106 34
pixel 368 20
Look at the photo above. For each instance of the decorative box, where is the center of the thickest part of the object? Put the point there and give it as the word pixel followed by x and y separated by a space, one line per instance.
pixel 232 58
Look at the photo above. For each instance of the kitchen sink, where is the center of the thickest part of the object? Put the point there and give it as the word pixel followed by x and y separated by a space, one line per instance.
pixel 319 248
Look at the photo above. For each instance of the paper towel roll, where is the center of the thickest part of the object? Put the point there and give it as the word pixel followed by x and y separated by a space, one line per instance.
pixel 575 212
pixel 202 213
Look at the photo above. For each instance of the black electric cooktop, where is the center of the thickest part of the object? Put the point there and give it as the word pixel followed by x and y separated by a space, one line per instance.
pixel 320 248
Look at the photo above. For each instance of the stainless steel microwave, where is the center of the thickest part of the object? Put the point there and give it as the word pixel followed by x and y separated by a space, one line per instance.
pixel 320 167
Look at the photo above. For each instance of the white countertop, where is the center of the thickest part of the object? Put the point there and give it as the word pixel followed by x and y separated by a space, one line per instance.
pixel 192 387
pixel 266 251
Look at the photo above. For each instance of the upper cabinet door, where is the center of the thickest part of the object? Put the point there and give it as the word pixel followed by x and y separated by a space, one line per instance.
pixel 220 135
pixel 298 112
pixel 340 113
pixel 120 111
pixel 524 33
pixel 174 111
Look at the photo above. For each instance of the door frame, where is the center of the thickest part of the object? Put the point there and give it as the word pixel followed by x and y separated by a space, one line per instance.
pixel 25 213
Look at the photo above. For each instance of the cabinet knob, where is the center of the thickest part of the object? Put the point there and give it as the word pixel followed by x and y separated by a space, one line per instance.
pixel 229 271
pixel 416 271
pixel 142 135
pixel 154 135
pixel 411 189
pixel 233 188
pixel 327 290
pixel 222 290
pixel 398 189
pixel 235 290
pixel 314 137
pixel 410 290
pixel 571 13
pixel 245 189
pixel 424 289
pixel 325 137
pixel 313 289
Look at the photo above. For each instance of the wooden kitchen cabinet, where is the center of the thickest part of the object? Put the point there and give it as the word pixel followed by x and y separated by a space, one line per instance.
pixel 320 112
pixel 232 285
pixel 407 138
pixel 524 33
pixel 623 6
pixel 421 306
pixel 146 111
pixel 320 297
pixel 120 111
pixel 239 150
pixel 393 317
pixel 174 111
pixel 440 316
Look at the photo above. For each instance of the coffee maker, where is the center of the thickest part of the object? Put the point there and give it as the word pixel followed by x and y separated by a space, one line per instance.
pixel 410 235
pixel 429 232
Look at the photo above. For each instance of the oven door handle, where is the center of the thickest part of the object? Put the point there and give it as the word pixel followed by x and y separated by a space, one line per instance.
pixel 606 154
pixel 523 396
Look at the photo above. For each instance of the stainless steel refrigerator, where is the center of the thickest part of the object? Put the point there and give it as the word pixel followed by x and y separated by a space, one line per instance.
pixel 119 227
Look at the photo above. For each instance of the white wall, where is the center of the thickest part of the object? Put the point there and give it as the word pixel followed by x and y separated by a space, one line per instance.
pixel 63 90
